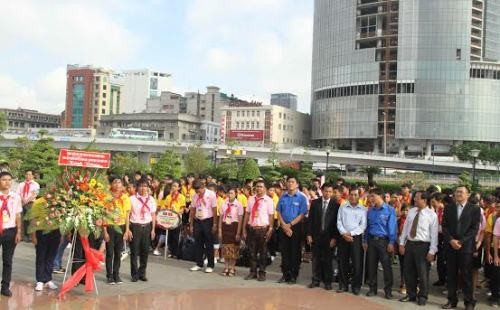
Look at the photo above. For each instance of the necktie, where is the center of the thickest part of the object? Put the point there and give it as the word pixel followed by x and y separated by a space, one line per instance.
pixel 255 208
pixel 4 200
pixel 26 188
pixel 323 214
pixel 414 225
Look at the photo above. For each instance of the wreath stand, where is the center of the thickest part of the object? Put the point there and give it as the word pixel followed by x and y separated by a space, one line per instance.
pixel 72 261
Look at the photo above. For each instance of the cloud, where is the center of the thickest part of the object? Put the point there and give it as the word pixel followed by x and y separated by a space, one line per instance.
pixel 47 95
pixel 82 32
pixel 254 47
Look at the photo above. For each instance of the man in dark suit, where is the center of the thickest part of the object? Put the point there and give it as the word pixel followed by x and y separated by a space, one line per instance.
pixel 322 235
pixel 460 225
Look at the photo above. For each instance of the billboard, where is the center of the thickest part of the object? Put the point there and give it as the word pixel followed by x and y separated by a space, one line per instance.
pixel 247 135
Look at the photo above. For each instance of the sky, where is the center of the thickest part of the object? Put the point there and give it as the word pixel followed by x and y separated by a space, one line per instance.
pixel 249 48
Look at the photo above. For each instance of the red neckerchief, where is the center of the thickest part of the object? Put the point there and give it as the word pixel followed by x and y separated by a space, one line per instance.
pixel 202 199
pixel 173 199
pixel 440 215
pixel 255 207
pixel 144 205
pixel 228 210
pixel 26 188
pixel 4 199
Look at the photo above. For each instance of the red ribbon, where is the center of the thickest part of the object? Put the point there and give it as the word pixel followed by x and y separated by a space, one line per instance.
pixel 173 199
pixel 5 200
pixel 93 259
pixel 228 210
pixel 144 206
pixel 254 208
pixel 26 188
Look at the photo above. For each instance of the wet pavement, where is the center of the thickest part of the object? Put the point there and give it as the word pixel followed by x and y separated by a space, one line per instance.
pixel 172 286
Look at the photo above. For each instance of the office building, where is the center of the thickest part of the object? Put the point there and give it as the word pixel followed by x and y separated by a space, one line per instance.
pixel 24 119
pixel 403 76
pixel 285 100
pixel 252 123
pixel 141 85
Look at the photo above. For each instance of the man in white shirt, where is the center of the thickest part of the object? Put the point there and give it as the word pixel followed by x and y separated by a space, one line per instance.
pixel 28 191
pixel 418 243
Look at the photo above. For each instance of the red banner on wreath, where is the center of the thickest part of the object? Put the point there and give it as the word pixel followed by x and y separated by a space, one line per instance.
pixel 84 159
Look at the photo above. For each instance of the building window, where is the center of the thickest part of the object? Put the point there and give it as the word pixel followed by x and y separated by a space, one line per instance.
pixel 103 111
pixel 459 53
pixel 104 87
pixel 258 113
pixel 248 113
pixel 238 113
pixel 258 125
pixel 280 115
pixel 253 125
pixel 253 113
pixel 171 135
pixel 248 125
pixel 237 125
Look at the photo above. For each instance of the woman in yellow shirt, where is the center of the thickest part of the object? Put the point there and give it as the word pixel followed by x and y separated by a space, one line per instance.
pixel 175 201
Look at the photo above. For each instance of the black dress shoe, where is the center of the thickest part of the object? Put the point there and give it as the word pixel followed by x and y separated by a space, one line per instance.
pixel 283 279
pixel 342 290
pixel 371 293
pixel 143 278
pixel 421 302
pixel 134 279
pixel 313 285
pixel 407 299
pixel 449 305
pixel 388 296
pixel 292 281
pixel 328 287
pixel 469 307
pixel 6 292
pixel 355 292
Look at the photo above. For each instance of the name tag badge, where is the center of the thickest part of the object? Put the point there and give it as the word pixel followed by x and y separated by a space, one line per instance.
pixel 200 213
pixel 229 219
pixel 296 204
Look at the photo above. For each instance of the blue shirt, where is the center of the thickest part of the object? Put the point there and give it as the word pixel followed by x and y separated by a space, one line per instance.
pixel 351 220
pixel 381 223
pixel 291 206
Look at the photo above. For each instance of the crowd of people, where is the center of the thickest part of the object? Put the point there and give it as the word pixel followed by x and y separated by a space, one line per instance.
pixel 362 228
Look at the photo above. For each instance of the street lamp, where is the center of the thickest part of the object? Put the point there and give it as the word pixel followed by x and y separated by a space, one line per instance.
pixel 474 154
pixel 216 150
pixel 327 158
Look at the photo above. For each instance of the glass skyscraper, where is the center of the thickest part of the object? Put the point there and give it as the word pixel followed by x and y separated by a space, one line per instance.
pixel 401 76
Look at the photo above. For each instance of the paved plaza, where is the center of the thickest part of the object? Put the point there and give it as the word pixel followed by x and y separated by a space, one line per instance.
pixel 172 286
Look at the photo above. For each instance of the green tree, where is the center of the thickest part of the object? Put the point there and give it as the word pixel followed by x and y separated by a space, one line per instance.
pixel 370 173
pixel 228 168
pixel 126 164
pixel 273 156
pixel 249 170
pixel 3 123
pixel 462 151
pixel 169 164
pixel 306 173
pixel 270 174
pixel 196 160
pixel 39 156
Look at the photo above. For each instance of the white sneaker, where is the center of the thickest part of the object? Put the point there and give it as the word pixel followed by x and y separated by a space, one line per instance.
pixel 205 262
pixel 51 285
pixel 195 268
pixel 156 253
pixel 39 287
pixel 209 270
pixel 221 261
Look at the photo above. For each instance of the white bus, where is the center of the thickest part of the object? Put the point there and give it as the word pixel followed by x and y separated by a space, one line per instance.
pixel 134 134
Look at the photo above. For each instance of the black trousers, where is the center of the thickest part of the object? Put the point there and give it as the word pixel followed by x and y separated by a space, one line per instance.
pixel 46 250
pixel 114 249
pixel 139 247
pixel 173 241
pixel 291 251
pixel 257 246
pixel 441 260
pixel 377 252
pixel 495 282
pixel 272 245
pixel 416 269
pixel 204 241
pixel 456 262
pixel 26 223
pixel 8 244
pixel 351 262
pixel 322 260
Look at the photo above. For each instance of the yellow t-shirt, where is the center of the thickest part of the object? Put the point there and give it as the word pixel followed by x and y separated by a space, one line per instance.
pixel 362 201
pixel 122 203
pixel 177 205
pixel 243 200
pixel 220 202
pixel 188 194
pixel 276 199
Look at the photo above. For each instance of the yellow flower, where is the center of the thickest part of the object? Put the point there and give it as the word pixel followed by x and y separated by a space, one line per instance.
pixel 92 183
